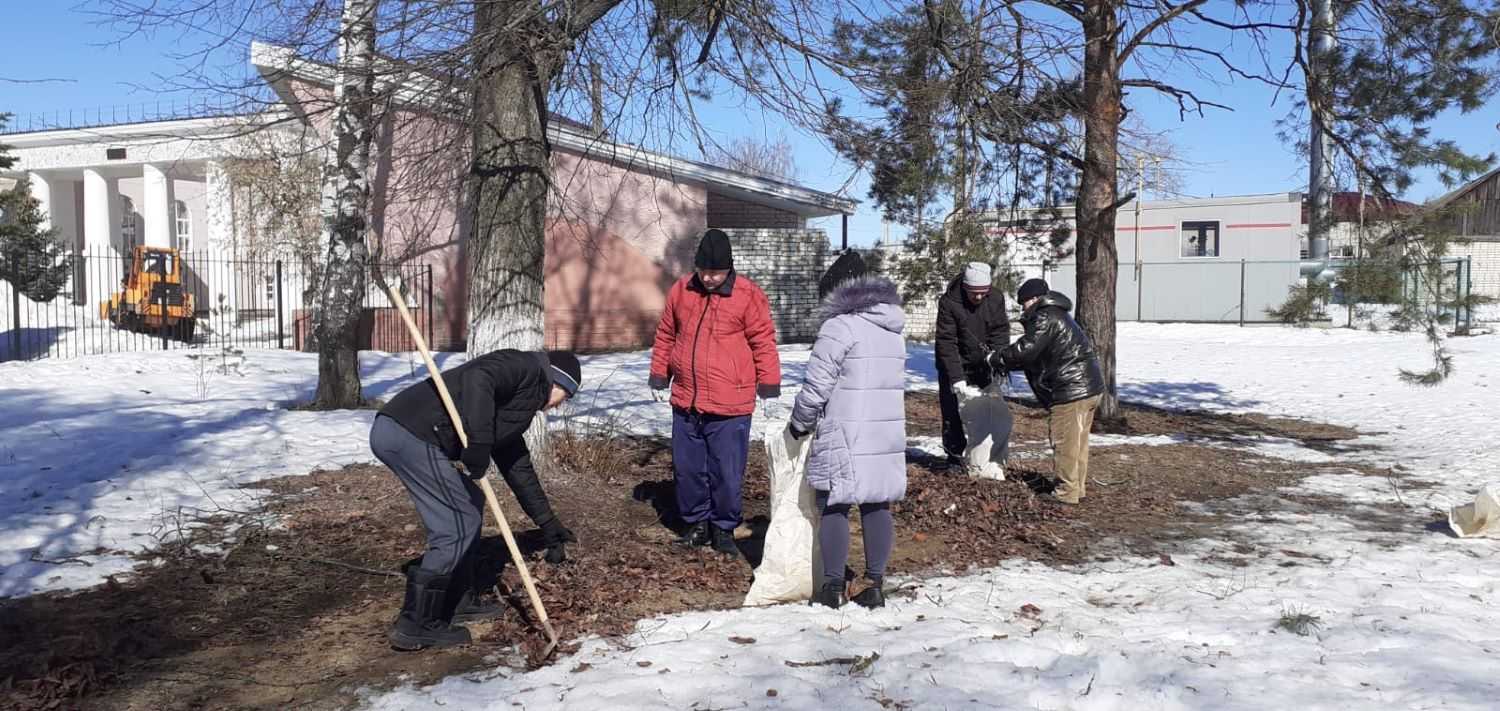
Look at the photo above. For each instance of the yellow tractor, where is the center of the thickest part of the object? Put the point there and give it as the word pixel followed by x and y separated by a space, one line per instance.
pixel 153 299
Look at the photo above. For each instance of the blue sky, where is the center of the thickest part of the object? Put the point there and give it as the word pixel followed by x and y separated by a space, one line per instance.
pixel 1229 152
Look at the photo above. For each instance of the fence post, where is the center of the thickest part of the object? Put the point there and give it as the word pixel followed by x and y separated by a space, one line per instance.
pixel 280 330
pixel 428 308
pixel 1468 285
pixel 165 326
pixel 1140 288
pixel 15 331
pixel 1242 293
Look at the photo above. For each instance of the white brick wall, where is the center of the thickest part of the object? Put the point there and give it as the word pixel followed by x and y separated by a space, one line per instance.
pixel 1485 251
pixel 786 264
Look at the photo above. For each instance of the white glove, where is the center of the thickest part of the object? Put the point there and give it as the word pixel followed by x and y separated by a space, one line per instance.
pixel 965 391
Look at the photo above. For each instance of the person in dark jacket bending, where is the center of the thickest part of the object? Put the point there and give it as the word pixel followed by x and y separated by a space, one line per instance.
pixel 1064 373
pixel 497 395
pixel 971 324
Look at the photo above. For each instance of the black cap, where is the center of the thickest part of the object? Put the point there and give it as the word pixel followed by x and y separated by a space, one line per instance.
pixel 566 371
pixel 1031 289
pixel 714 251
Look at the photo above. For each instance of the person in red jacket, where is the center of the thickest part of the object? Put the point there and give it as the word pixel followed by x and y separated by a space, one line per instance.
pixel 716 348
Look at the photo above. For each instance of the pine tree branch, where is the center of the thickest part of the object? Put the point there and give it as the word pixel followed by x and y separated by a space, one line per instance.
pixel 1242 26
pixel 1183 96
pixel 1223 60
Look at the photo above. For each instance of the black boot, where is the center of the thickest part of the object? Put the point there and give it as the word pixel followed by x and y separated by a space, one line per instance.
pixel 422 622
pixel 871 597
pixel 724 541
pixel 830 595
pixel 695 535
pixel 467 601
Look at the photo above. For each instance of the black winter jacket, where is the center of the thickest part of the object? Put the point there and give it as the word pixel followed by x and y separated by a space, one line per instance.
pixel 497 395
pixel 1056 354
pixel 967 334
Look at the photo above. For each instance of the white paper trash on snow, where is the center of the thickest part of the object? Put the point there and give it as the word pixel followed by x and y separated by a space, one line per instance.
pixel 1481 518
pixel 987 424
pixel 790 562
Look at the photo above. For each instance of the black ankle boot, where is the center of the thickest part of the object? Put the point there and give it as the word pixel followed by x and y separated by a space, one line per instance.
pixel 473 606
pixel 871 597
pixel 422 621
pixel 695 535
pixel 724 541
pixel 830 595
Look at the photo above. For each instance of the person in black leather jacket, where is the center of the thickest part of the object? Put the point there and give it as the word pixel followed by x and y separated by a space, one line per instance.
pixel 1064 373
pixel 497 395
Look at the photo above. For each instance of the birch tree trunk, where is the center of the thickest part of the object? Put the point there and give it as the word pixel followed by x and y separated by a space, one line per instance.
pixel 346 199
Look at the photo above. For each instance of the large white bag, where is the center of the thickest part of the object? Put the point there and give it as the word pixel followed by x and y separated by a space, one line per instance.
pixel 987 425
pixel 790 564
pixel 1481 518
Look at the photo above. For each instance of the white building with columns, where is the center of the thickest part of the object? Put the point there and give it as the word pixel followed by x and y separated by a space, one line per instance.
pixel 109 189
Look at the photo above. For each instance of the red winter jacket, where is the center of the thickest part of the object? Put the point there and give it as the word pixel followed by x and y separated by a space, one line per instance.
pixel 717 349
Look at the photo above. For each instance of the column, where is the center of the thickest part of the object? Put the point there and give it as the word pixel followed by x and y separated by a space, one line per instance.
pixel 157 211
pixel 101 218
pixel 215 233
pixel 41 191
pixel 218 209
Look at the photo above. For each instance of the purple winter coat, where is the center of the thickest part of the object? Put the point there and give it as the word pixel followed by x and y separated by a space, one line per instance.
pixel 854 394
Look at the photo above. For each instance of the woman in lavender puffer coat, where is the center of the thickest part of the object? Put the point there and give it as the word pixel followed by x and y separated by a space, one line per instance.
pixel 854 398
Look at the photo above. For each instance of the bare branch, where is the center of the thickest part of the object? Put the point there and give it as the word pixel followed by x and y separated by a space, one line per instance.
pixel 1155 24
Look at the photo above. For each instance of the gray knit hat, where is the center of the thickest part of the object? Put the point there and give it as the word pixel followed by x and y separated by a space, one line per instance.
pixel 977 276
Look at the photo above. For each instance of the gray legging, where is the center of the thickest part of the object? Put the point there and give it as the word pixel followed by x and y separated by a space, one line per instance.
pixel 833 538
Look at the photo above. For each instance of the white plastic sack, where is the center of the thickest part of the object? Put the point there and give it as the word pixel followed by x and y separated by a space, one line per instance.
pixel 1481 518
pixel 987 424
pixel 790 563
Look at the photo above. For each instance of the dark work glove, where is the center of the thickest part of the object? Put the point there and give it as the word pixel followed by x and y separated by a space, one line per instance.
pixel 476 459
pixel 795 431
pixel 556 535
pixel 659 383
pixel 768 392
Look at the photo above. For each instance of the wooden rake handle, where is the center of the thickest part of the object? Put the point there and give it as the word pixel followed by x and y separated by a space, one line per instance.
pixel 484 482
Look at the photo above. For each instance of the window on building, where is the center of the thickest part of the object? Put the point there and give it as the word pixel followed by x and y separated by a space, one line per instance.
pixel 1200 239
pixel 127 222
pixel 184 226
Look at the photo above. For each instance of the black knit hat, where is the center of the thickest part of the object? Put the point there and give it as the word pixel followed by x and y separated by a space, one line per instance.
pixel 714 251
pixel 848 266
pixel 1031 289
pixel 566 372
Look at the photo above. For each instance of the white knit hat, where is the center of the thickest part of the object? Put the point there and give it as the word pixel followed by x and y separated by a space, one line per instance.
pixel 977 276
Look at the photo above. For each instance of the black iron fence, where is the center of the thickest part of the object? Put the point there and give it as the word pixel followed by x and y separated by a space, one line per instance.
pixel 97 303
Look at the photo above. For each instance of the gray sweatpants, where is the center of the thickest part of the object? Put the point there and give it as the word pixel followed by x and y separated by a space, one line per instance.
pixel 450 505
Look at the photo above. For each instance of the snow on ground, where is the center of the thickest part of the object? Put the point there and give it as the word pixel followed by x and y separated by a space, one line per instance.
pixel 1395 619
pixel 103 452
pixel 99 452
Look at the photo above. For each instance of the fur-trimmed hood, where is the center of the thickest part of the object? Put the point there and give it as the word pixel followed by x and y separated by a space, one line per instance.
pixel 873 298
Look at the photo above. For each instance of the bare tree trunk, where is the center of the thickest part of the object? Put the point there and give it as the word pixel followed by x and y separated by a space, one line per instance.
pixel 345 203
pixel 510 176
pixel 1098 258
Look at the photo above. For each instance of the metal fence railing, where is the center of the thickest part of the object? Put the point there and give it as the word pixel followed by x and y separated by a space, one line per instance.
pixel 206 301
pixel 1243 291
pixel 120 114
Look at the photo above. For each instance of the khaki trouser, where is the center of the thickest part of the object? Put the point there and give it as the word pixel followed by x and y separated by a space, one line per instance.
pixel 1069 427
